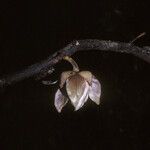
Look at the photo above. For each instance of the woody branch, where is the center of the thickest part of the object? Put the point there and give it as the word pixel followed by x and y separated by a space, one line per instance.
pixel 46 66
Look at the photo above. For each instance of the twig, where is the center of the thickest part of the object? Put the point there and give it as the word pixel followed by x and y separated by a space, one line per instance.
pixel 139 36
pixel 70 49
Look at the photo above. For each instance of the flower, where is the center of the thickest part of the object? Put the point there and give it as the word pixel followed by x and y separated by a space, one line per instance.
pixel 77 86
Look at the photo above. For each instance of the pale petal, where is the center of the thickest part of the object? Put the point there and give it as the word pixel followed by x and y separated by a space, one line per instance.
pixel 60 100
pixel 77 89
pixel 95 91
pixel 64 76
pixel 83 99
pixel 87 75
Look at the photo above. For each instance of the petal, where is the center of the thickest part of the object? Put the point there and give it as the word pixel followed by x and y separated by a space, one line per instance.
pixel 83 99
pixel 87 75
pixel 60 100
pixel 77 89
pixel 95 91
pixel 64 76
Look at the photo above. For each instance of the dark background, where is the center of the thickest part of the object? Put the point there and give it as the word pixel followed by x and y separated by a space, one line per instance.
pixel 30 31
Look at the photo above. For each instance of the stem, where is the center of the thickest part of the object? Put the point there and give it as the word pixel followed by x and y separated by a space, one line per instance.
pixel 73 63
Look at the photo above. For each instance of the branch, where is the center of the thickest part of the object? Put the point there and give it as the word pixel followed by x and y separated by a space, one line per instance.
pixel 46 66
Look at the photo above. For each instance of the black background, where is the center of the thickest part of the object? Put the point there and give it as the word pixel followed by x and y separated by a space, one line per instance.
pixel 30 31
